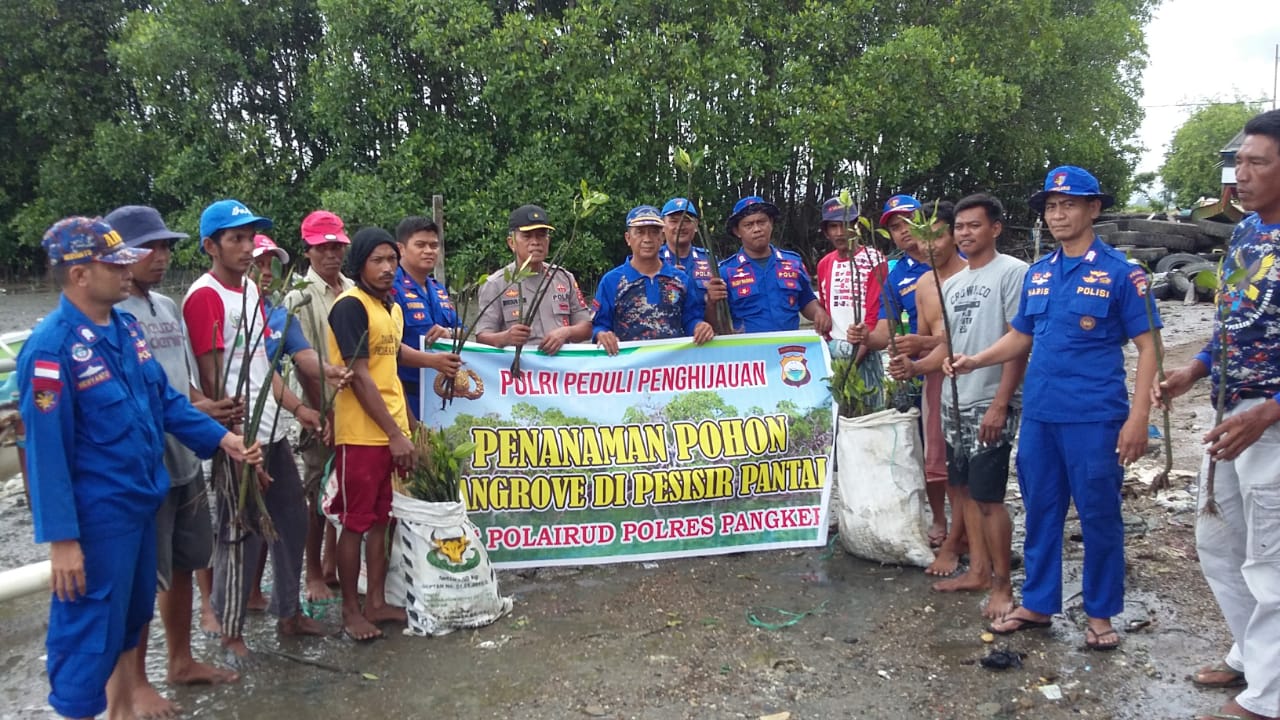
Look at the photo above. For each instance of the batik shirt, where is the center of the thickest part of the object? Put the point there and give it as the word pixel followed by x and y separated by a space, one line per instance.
pixel 635 306
pixel 1253 315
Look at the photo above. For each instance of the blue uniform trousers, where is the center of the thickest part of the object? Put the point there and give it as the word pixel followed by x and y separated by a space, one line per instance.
pixel 1058 463
pixel 87 636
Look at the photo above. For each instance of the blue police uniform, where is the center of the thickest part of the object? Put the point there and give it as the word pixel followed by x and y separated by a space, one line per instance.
pixel 767 298
pixel 96 405
pixel 903 277
pixel 1080 313
pixel 423 309
pixel 636 307
pixel 697 265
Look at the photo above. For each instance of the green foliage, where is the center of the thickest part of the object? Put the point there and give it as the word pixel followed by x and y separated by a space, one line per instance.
pixel 1192 166
pixel 437 474
pixel 369 108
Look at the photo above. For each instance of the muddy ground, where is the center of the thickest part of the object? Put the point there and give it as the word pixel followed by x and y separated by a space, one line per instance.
pixel 675 639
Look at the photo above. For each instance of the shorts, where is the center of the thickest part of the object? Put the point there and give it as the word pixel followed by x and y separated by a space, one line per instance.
pixel 87 636
pixel 363 497
pixel 984 469
pixel 184 532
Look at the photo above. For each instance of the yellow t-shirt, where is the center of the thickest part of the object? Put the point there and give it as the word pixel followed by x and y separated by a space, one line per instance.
pixel 385 328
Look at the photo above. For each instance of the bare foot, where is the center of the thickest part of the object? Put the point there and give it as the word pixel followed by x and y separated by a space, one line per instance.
pixel 197 673
pixel 1234 709
pixel 317 590
pixel 944 563
pixel 299 625
pixel 148 704
pixel 257 601
pixel 237 654
pixel 937 534
pixel 969 581
pixel 209 622
pixel 384 614
pixel 331 576
pixel 999 602
pixel 358 627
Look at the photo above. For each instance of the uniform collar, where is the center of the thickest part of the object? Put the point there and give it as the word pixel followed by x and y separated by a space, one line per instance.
pixel 86 330
pixel 774 254
pixel 631 273
pixel 319 282
pixel 406 281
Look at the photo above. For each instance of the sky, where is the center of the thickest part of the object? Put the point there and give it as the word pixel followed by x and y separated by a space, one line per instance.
pixel 1204 50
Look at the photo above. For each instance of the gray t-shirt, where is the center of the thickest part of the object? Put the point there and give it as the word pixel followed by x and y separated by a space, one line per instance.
pixel 167 335
pixel 561 306
pixel 980 303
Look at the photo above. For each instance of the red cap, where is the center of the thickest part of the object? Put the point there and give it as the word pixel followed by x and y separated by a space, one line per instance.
pixel 322 227
pixel 263 245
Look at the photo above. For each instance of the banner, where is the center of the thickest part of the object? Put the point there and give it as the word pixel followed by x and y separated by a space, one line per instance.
pixel 664 450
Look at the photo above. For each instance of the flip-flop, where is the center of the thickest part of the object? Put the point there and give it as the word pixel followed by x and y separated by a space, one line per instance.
pixel 1097 644
pixel 1023 624
pixel 1235 678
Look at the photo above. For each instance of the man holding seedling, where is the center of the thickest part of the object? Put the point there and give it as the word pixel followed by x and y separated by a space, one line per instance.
pixel 425 303
pixel 184 534
pixel 371 423
pixel 679 226
pixel 1080 305
pixel 96 404
pixel 225 322
pixel 645 298
pixel 512 294
pixel 769 288
pixel 325 237
pixel 1239 539
pixel 979 300
pixel 897 315
pixel 846 276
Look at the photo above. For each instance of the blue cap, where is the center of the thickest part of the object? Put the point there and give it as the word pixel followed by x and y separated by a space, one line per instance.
pixel 833 211
pixel 679 205
pixel 641 215
pixel 229 214
pixel 1070 180
pixel 748 205
pixel 139 225
pixel 899 205
pixel 77 240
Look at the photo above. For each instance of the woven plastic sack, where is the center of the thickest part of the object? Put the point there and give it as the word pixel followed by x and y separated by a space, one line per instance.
pixel 879 470
pixel 439 570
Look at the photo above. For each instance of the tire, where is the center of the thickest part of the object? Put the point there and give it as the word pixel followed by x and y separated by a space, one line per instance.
pixel 1160 287
pixel 1148 255
pixel 1215 229
pixel 1160 227
pixel 1172 243
pixel 1104 229
pixel 1184 277
pixel 1173 261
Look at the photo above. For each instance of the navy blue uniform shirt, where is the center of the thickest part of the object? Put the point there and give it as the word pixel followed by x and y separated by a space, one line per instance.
pixel 769 298
pixel 1080 313
pixel 96 406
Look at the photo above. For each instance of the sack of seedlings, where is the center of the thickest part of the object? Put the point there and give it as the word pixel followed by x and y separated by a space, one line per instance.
pixel 879 470
pixel 439 570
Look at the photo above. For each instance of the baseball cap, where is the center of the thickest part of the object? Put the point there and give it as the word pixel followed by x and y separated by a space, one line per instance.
pixel 1070 180
pixel 528 217
pixel 641 215
pixel 679 205
pixel 322 227
pixel 228 214
pixel 139 225
pixel 833 211
pixel 76 240
pixel 899 205
pixel 263 245
pixel 751 204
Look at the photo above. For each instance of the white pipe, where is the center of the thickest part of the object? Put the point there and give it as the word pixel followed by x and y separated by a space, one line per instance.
pixel 7 365
pixel 26 580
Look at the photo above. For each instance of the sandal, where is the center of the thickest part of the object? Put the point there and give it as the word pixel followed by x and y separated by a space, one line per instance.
pixel 1227 677
pixel 1097 643
pixel 1023 623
